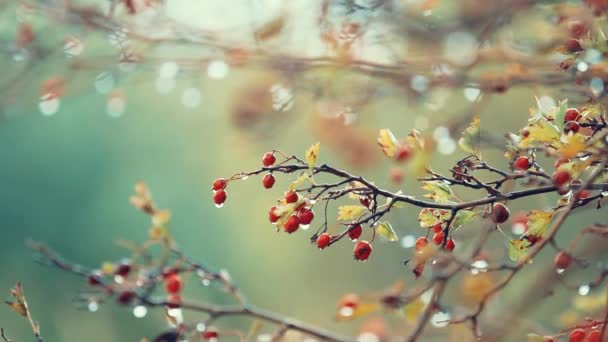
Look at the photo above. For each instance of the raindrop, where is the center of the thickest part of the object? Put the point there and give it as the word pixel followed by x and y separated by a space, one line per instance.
pixel 368 337
pixel 244 177
pixel 200 327
pixel 408 241
pixel 582 66
pixel 219 205
pixel 460 48
pixel 104 82
pixel 191 97
pixel 419 83
pixel 346 311
pixel 282 97
pixel 560 270
pixel 471 94
pixel 518 228
pixel 583 290
pixel 206 282
pixel 140 311
pixel 481 264
pixel 218 69
pixel 168 70
pixel 264 338
pixel 93 306
pixel 304 226
pixel 73 47
pixel 597 85
pixel 604 193
pixel 440 319
pixel 49 104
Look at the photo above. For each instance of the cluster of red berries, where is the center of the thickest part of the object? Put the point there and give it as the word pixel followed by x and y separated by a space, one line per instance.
pixel 302 215
pixel 173 287
pixel 363 249
pixel 438 237
pixel 579 335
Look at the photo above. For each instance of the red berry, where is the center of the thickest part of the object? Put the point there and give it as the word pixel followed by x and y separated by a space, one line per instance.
pixel 349 300
pixel 573 45
pixel 268 181
pixel 291 197
pixel 122 269
pixel 355 232
pixel 571 126
pixel 94 279
pixel 572 114
pixel 560 178
pixel 562 260
pixel 450 245
pixel 269 159
pixel 362 251
pixel 125 297
pixel 173 283
pixel 210 335
pixel 421 243
pixel 437 227
pixel 219 184
pixel 323 240
pixel 577 28
pixel 396 175
pixel 500 213
pixel 594 336
pixel 291 224
pixel 272 215
pixel 219 197
pixel 522 163
pixel 403 153
pixel 174 301
pixel 438 238
pixel 306 216
pixel 577 335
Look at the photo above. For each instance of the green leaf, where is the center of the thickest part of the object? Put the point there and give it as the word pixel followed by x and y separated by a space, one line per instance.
pixel 469 142
pixel 518 249
pixel 560 112
pixel 463 217
pixel 427 217
pixel 440 192
pixel 350 212
pixel 385 230
pixel 538 222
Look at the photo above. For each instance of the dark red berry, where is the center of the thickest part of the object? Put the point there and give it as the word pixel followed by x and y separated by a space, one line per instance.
pixel 594 336
pixel 291 224
pixel 323 240
pixel 560 178
pixel 122 269
pixel 573 45
pixel 522 163
pixel 365 201
pixel 421 243
pixel 210 335
pixel 174 301
pixel 125 297
pixel 219 197
pixel 94 279
pixel 305 215
pixel 272 215
pixel 362 251
pixel 268 159
pixel 438 238
pixel 173 284
pixel 450 245
pixel 562 260
pixel 291 197
pixel 500 213
pixel 268 181
pixel 577 335
pixel 355 232
pixel 572 114
pixel 571 126
pixel 219 184
pixel 403 153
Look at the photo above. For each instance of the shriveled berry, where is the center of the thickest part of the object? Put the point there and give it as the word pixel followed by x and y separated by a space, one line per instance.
pixel 577 335
pixel 571 126
pixel 562 260
pixel 573 45
pixel 305 215
pixel 450 245
pixel 291 197
pixel 291 224
pixel 268 181
pixel 355 233
pixel 219 184
pixel 323 240
pixel 125 297
pixel 572 114
pixel 594 336
pixel 272 215
pixel 365 201
pixel 173 283
pixel 219 197
pixel 522 163
pixel 403 153
pixel 122 269
pixel 362 251
pixel 438 238
pixel 500 213
pixel 421 243
pixel 560 178
pixel 269 159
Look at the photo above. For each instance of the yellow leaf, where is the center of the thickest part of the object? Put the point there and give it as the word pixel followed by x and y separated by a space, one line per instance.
pixel 413 310
pixel 538 222
pixel 540 131
pixel 572 145
pixel 469 141
pixel 476 286
pixel 440 192
pixel 158 233
pixel 385 230
pixel 311 155
pixel 350 212
pixel 18 307
pixel 107 267
pixel 387 142
pixel 161 217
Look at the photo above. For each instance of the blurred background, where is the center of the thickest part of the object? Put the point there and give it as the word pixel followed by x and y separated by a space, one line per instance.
pixel 179 93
